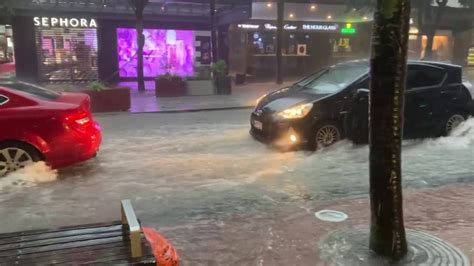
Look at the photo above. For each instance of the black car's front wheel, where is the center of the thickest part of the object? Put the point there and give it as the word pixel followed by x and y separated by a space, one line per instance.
pixel 324 135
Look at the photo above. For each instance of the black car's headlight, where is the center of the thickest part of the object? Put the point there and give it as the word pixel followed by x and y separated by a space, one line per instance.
pixel 297 111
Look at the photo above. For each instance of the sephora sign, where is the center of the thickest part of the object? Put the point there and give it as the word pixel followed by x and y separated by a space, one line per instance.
pixel 65 22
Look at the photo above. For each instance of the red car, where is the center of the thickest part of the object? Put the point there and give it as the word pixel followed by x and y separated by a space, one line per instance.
pixel 37 124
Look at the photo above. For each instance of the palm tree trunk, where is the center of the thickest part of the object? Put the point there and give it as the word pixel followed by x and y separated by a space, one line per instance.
pixel 388 72
pixel 279 37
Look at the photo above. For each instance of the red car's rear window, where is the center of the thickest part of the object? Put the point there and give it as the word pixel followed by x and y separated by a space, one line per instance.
pixel 33 90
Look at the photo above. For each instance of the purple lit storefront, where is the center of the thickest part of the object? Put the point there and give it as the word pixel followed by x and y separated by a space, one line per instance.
pixel 182 51
pixel 164 51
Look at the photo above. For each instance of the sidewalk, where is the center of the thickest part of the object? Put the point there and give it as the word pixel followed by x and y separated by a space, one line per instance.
pixel 243 96
pixel 292 235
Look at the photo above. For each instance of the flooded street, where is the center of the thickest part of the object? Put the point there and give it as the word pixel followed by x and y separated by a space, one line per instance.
pixel 190 175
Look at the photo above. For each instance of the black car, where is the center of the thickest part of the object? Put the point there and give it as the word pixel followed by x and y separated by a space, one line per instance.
pixel 332 104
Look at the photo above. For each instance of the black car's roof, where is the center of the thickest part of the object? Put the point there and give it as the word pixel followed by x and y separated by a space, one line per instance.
pixel 365 62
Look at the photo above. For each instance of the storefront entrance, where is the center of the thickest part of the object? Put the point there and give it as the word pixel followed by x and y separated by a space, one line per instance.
pixel 306 47
pixel 7 58
pixel 66 53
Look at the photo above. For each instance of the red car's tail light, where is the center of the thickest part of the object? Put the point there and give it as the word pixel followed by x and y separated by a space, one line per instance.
pixel 83 121
pixel 80 118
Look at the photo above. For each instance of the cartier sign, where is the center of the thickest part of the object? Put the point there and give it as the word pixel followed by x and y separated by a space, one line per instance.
pixel 269 26
pixel 65 22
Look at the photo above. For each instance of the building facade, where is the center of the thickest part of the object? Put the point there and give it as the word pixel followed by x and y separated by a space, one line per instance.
pixel 81 44
pixel 314 36
pixel 89 40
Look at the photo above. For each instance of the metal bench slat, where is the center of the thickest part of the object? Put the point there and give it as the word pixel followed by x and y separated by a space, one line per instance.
pixel 64 252
pixel 76 257
pixel 60 229
pixel 83 256
pixel 60 234
pixel 57 241
pixel 93 242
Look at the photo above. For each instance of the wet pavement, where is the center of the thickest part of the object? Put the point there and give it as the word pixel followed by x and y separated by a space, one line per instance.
pixel 225 199
pixel 291 235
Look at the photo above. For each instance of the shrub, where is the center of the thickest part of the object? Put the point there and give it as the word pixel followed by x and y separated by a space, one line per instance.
pixel 97 85
pixel 220 68
pixel 170 77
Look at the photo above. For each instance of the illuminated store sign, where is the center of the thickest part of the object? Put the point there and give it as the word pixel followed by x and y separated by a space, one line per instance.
pixel 290 27
pixel 248 26
pixel 65 22
pixel 320 27
pixel 348 29
pixel 269 26
pixel 314 27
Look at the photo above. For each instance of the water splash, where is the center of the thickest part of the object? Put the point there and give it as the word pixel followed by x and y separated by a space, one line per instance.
pixel 32 174
pixel 460 138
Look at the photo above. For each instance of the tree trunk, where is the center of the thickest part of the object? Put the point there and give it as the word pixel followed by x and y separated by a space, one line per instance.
pixel 431 32
pixel 279 37
pixel 212 13
pixel 139 7
pixel 429 44
pixel 421 14
pixel 388 72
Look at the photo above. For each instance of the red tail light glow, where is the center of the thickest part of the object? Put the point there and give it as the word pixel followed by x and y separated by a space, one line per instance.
pixel 80 118
pixel 83 121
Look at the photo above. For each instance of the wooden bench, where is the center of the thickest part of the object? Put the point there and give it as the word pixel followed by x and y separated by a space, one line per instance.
pixel 121 242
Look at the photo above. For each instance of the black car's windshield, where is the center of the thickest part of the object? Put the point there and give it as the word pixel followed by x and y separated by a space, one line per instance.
pixel 32 89
pixel 333 79
pixel 309 78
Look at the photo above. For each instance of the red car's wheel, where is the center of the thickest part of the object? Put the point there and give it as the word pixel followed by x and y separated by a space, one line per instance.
pixel 16 155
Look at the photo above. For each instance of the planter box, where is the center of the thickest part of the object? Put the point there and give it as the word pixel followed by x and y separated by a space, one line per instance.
pixel 200 87
pixel 110 100
pixel 170 87
pixel 240 79
pixel 223 84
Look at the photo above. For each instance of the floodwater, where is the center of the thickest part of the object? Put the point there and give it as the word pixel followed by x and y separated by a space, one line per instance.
pixel 204 168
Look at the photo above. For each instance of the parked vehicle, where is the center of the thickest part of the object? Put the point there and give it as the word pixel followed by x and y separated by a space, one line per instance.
pixel 332 104
pixel 42 125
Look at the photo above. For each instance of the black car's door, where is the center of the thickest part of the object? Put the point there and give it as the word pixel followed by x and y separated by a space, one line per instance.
pixel 421 96
pixel 356 122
